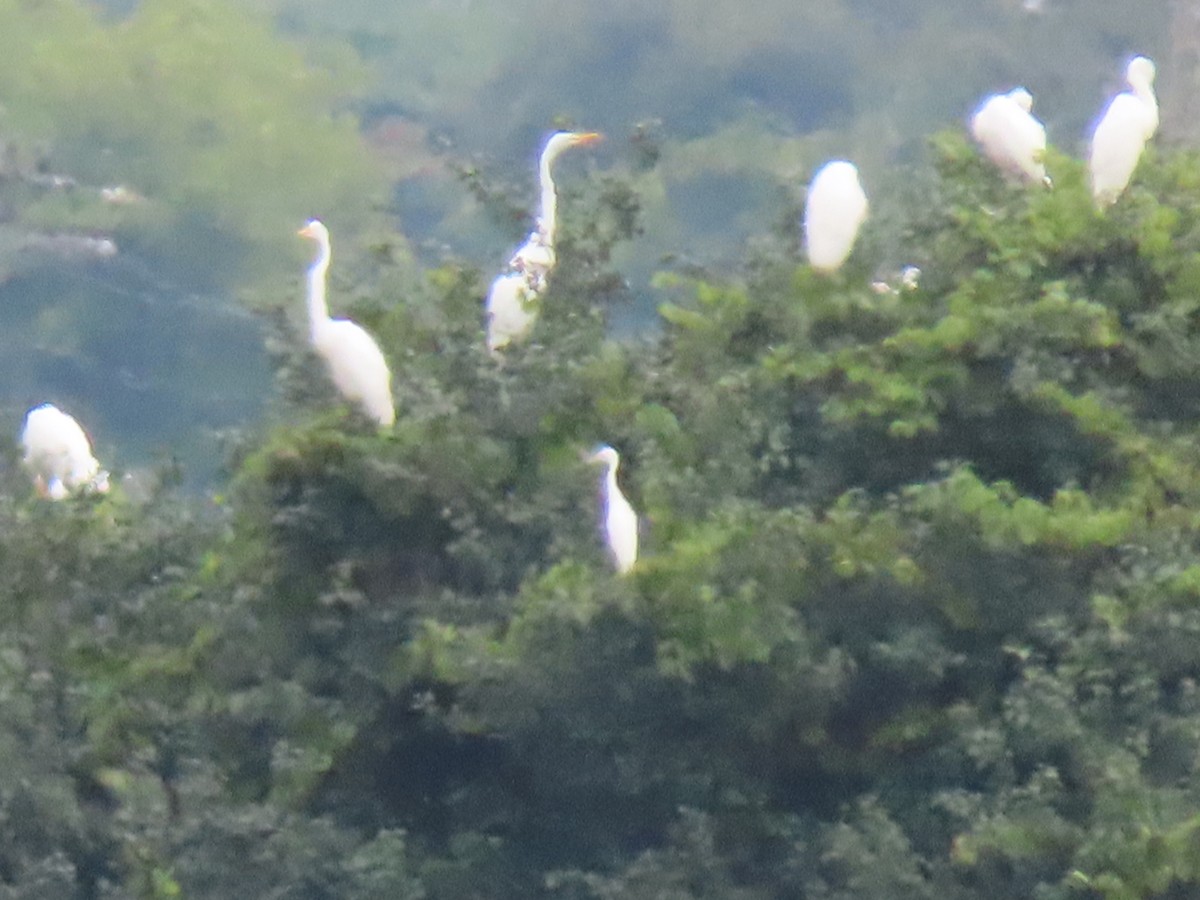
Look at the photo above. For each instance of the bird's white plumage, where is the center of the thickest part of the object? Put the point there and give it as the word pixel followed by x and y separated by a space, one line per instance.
pixel 534 258
pixel 357 367
pixel 511 309
pixel 511 303
pixel 58 454
pixel 355 362
pixel 1004 126
pixel 1128 122
pixel 834 211
pixel 619 521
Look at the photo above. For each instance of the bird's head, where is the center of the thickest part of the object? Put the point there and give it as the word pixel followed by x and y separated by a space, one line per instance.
pixel 563 140
pixel 315 230
pixel 584 138
pixel 602 454
pixel 836 170
pixel 1140 71
pixel 44 409
pixel 1022 98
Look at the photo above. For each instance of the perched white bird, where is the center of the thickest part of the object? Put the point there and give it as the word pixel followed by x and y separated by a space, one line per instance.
pixel 355 362
pixel 834 211
pixel 1010 136
pixel 1129 121
pixel 512 307
pixel 620 522
pixel 59 455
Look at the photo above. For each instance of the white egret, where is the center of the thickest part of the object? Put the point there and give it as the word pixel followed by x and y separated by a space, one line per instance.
pixel 354 360
pixel 1122 132
pixel 620 522
pixel 512 306
pixel 59 455
pixel 834 211
pixel 1004 126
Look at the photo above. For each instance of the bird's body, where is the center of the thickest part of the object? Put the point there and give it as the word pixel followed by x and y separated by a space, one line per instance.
pixel 619 521
pixel 534 258
pixel 1004 126
pixel 511 309
pixel 512 300
pixel 356 367
pixel 355 362
pixel 1129 121
pixel 58 454
pixel 834 211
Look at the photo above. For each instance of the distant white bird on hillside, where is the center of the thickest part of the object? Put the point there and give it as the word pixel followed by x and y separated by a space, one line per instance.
pixel 354 360
pixel 1122 132
pixel 512 300
pixel 58 454
pixel 1004 126
pixel 834 210
pixel 619 521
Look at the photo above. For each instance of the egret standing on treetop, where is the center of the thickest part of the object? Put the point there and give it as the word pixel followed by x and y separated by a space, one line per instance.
pixel 355 362
pixel 511 302
pixel 1010 136
pixel 1129 121
pixel 59 455
pixel 620 522
pixel 835 209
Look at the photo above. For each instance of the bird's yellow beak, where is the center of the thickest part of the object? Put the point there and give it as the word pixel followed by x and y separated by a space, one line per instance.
pixel 589 137
pixel 306 231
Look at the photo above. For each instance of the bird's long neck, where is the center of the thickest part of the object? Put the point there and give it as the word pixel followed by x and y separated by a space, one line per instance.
pixel 610 482
pixel 318 272
pixel 1144 91
pixel 548 211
